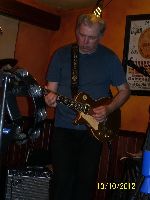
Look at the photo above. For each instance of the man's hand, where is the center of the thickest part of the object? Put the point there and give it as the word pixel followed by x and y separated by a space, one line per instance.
pixel 51 97
pixel 100 113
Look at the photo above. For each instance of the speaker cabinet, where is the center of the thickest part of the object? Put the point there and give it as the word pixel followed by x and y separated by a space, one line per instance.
pixel 29 184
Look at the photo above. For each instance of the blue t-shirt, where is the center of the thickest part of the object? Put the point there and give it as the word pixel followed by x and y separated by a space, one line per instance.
pixel 97 71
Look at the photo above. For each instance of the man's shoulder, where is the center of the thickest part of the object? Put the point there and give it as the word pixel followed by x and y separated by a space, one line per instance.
pixel 62 52
pixel 106 49
pixel 64 49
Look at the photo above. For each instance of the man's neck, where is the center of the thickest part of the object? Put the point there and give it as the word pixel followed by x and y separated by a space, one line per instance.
pixel 90 52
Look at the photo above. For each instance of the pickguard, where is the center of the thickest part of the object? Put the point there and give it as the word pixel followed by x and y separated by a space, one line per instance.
pixel 90 120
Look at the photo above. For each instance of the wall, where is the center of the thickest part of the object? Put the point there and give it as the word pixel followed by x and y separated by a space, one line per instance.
pixel 135 112
pixel 32 53
pixel 8 37
pixel 36 45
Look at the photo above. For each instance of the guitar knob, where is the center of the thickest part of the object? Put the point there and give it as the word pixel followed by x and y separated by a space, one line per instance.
pixel 84 97
pixel 106 136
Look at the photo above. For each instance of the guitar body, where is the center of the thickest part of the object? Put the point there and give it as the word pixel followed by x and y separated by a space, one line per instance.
pixel 102 131
pixel 83 104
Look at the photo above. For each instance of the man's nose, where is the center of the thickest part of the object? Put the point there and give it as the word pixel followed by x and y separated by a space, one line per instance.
pixel 86 40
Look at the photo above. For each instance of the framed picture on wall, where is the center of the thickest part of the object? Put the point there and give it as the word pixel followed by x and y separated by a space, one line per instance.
pixel 136 54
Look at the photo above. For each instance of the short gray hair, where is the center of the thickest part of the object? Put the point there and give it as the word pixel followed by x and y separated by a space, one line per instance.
pixel 90 19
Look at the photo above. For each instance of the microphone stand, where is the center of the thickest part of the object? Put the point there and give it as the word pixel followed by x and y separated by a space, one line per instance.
pixel 5 81
pixel 140 69
pixel 5 78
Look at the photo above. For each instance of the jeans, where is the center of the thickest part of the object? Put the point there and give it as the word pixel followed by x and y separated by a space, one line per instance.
pixel 75 159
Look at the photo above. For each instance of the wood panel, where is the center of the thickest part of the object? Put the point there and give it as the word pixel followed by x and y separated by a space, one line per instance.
pixel 30 14
pixel 16 154
pixel 110 168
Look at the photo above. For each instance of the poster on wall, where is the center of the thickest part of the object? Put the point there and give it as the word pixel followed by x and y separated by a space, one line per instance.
pixel 136 56
pixel 8 35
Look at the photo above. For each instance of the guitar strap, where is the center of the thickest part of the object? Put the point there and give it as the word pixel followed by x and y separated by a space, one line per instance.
pixel 74 69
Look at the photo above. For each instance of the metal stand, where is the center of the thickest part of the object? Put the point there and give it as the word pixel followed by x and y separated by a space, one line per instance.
pixel 2 112
pixel 5 82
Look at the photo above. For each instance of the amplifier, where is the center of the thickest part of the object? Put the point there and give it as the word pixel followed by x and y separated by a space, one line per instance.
pixel 29 184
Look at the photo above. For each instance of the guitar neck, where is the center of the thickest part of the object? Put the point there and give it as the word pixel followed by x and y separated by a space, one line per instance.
pixel 71 103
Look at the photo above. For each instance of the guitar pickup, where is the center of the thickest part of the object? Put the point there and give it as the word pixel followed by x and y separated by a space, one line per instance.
pixel 87 107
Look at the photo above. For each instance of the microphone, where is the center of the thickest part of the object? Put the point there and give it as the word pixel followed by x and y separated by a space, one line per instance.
pixel 140 69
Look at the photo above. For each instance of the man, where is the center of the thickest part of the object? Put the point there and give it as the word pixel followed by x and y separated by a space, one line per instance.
pixel 75 153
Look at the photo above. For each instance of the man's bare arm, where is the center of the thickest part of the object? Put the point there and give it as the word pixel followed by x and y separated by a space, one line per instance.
pixel 101 112
pixel 121 97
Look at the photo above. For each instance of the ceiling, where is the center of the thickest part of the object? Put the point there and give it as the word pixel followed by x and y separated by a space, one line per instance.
pixel 69 4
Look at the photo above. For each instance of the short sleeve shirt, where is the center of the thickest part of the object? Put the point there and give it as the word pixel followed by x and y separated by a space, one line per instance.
pixel 97 71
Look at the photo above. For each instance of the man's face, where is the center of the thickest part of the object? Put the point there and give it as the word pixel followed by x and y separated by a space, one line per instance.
pixel 87 38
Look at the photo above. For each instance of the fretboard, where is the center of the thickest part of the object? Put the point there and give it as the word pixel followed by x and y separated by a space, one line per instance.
pixel 74 105
pixel 71 103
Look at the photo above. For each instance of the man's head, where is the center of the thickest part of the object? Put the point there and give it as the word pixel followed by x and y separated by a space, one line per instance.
pixel 89 30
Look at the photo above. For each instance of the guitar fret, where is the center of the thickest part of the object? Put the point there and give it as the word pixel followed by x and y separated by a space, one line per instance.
pixel 72 104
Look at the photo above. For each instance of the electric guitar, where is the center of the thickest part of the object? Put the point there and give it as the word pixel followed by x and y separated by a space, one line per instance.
pixel 82 104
